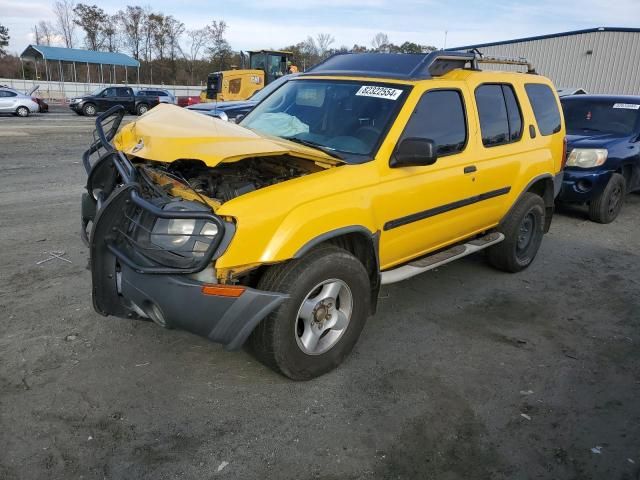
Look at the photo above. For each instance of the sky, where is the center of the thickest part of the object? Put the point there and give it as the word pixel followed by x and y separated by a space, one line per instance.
pixel 278 23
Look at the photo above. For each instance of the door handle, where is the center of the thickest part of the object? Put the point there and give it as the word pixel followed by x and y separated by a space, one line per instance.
pixel 470 169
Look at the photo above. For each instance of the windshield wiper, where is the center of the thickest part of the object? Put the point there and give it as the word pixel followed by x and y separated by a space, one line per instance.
pixel 308 143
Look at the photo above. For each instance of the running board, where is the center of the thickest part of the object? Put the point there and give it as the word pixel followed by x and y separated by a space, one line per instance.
pixel 443 257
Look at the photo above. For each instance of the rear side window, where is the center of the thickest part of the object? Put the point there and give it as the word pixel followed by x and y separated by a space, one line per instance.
pixel 499 113
pixel 439 116
pixel 123 92
pixel 545 108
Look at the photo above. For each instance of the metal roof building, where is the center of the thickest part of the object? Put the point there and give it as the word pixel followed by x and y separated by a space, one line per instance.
pixel 600 60
pixel 53 58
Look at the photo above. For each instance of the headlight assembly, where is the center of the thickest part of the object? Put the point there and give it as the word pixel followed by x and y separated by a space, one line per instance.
pixel 587 157
pixel 184 235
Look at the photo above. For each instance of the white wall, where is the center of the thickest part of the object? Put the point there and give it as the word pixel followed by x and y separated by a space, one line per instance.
pixel 62 91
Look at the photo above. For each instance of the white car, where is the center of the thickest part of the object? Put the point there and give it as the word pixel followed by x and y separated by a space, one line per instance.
pixel 12 101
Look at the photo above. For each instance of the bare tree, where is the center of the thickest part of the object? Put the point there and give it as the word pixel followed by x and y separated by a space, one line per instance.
pixel 196 41
pixel 63 11
pixel 158 33
pixel 111 34
pixel 148 26
pixel 380 42
pixel 323 41
pixel 220 50
pixel 44 33
pixel 174 30
pixel 132 20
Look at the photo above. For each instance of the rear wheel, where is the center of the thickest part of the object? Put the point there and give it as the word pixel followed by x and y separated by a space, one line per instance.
pixel 89 109
pixel 317 327
pixel 523 230
pixel 142 109
pixel 606 207
pixel 22 111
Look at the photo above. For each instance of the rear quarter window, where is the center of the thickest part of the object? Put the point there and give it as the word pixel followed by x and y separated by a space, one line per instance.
pixel 545 108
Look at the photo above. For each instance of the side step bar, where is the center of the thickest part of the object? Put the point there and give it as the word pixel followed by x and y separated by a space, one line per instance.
pixel 443 257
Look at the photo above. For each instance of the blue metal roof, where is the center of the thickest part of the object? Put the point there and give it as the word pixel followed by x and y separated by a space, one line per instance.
pixel 79 56
pixel 551 35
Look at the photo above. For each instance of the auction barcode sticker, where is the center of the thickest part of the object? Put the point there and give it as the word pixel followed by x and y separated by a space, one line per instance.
pixel 379 92
pixel 628 106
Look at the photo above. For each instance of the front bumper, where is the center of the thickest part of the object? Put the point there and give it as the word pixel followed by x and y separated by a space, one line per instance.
pixel 76 107
pixel 133 278
pixel 582 186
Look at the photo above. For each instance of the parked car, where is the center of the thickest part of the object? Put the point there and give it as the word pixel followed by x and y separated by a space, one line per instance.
pixel 231 110
pixel 20 104
pixel 186 100
pixel 164 96
pixel 103 99
pixel 604 152
pixel 279 230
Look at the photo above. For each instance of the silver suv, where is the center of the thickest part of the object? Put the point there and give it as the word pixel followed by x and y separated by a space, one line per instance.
pixel 165 96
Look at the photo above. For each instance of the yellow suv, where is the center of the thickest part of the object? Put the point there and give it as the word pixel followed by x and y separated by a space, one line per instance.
pixel 278 232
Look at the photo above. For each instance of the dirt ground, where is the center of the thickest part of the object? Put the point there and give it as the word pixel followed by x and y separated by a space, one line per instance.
pixel 464 373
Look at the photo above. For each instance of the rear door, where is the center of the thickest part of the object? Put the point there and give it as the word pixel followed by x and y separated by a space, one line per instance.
pixel 502 151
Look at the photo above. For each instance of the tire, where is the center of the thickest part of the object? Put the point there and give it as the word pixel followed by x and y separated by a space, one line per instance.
pixel 281 342
pixel 606 207
pixel 142 109
pixel 89 109
pixel 523 230
pixel 22 111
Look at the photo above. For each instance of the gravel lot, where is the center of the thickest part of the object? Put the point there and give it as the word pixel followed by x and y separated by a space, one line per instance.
pixel 465 373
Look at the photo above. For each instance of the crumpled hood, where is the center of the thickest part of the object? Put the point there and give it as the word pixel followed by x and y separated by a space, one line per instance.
pixel 168 133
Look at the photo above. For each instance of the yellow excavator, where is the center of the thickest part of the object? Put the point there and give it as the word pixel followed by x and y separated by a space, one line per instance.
pixel 265 66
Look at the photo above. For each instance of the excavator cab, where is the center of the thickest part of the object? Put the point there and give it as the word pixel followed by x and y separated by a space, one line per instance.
pixel 274 63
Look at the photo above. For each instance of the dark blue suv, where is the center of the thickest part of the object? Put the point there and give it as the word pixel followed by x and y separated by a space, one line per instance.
pixel 603 146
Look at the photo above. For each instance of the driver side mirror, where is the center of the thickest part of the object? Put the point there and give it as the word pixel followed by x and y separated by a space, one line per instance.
pixel 414 152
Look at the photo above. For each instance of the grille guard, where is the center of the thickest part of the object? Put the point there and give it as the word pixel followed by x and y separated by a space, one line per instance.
pixel 122 204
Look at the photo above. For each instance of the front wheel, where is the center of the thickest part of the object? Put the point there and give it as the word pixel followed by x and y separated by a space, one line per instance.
pixel 142 109
pixel 523 230
pixel 606 207
pixel 318 326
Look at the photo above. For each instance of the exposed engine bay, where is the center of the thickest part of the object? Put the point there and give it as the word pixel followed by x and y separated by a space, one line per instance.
pixel 227 181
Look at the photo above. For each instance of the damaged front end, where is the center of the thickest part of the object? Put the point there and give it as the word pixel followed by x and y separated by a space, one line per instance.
pixel 153 237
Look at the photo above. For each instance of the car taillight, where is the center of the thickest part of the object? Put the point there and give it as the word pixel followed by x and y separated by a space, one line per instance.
pixel 564 152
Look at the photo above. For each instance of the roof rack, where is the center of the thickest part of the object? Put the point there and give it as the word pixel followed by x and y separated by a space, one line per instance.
pixel 498 60
pixel 407 66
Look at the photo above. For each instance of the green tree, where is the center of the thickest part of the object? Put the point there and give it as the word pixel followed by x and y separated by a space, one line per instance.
pixel 93 20
pixel 4 40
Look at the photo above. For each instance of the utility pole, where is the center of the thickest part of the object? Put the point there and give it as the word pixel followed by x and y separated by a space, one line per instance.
pixel 445 40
